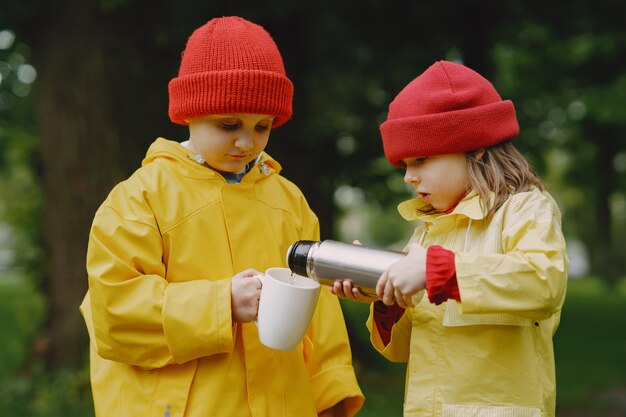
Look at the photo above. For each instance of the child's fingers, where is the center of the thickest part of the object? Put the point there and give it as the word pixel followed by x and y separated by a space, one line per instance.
pixel 380 285
pixel 399 298
pixel 337 289
pixel 408 301
pixel 347 289
pixel 360 296
pixel 388 293
pixel 249 273
pixel 353 293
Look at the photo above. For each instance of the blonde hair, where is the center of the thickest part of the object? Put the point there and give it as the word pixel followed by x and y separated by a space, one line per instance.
pixel 503 170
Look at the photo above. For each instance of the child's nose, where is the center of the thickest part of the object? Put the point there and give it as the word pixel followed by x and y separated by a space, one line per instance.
pixel 244 141
pixel 411 176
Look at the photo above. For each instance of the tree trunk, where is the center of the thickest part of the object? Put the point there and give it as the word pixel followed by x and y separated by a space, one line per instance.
pixel 100 104
pixel 79 150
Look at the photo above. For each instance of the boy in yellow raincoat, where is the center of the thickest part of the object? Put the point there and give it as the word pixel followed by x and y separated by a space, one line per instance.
pixel 174 249
pixel 488 249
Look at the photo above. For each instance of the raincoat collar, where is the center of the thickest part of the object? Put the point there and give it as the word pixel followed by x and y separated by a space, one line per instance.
pixel 469 207
pixel 171 152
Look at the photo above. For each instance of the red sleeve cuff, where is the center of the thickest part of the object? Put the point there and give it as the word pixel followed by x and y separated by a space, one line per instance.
pixel 441 282
pixel 385 317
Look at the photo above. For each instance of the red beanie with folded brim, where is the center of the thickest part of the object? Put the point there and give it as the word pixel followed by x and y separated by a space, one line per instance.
pixel 447 109
pixel 230 65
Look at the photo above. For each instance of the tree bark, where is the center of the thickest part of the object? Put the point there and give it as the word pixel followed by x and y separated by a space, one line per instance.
pixel 102 99
pixel 79 150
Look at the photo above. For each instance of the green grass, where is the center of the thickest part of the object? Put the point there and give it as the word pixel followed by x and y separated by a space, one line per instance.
pixel 590 346
pixel 590 350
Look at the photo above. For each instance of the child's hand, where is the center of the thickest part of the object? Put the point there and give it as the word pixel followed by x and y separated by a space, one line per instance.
pixel 245 290
pixel 404 278
pixel 345 289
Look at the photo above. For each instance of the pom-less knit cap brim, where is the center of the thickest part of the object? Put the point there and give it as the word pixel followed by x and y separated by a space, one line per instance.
pixel 225 92
pixel 450 132
pixel 448 109
pixel 230 65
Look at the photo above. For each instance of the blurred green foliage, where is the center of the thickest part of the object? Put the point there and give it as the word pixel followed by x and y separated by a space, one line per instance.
pixel 27 388
pixel 20 190
pixel 21 309
pixel 563 66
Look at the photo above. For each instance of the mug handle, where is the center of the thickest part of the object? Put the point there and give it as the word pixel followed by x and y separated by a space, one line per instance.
pixel 260 277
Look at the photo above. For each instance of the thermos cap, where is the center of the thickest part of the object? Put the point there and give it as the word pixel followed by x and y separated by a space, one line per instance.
pixel 297 256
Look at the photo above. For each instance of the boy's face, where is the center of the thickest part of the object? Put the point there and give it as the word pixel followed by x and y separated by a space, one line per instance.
pixel 228 142
pixel 441 180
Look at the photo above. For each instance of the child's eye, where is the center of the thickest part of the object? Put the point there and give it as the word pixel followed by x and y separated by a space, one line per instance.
pixel 226 125
pixel 420 160
pixel 262 128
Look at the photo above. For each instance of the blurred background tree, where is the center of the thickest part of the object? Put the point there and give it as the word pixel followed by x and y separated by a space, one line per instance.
pixel 83 92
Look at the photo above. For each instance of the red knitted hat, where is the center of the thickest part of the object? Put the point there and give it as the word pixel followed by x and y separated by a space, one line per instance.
pixel 447 109
pixel 230 65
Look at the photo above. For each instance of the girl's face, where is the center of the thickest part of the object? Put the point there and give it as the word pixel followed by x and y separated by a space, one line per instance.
pixel 228 142
pixel 441 180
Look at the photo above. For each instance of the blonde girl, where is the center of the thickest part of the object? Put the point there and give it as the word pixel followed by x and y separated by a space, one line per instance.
pixel 488 249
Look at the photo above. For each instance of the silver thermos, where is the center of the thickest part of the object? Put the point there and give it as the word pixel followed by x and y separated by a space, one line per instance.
pixel 328 260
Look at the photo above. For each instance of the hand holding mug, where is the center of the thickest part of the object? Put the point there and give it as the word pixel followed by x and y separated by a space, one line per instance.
pixel 244 294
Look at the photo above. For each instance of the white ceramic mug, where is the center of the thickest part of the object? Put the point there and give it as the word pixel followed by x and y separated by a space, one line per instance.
pixel 286 306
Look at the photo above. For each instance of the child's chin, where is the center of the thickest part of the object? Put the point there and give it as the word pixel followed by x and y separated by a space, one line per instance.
pixel 233 168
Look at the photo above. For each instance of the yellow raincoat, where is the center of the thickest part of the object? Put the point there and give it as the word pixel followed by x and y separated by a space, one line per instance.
pixel 491 354
pixel 162 249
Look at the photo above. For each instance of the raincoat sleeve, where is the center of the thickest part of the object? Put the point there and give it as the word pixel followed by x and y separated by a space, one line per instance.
pixel 529 278
pixel 134 315
pixel 397 350
pixel 327 349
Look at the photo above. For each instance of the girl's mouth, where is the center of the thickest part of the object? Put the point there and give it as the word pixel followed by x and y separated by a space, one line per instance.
pixel 425 196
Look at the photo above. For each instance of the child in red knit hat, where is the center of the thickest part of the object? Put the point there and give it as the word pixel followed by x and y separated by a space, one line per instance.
pixel 174 250
pixel 488 250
